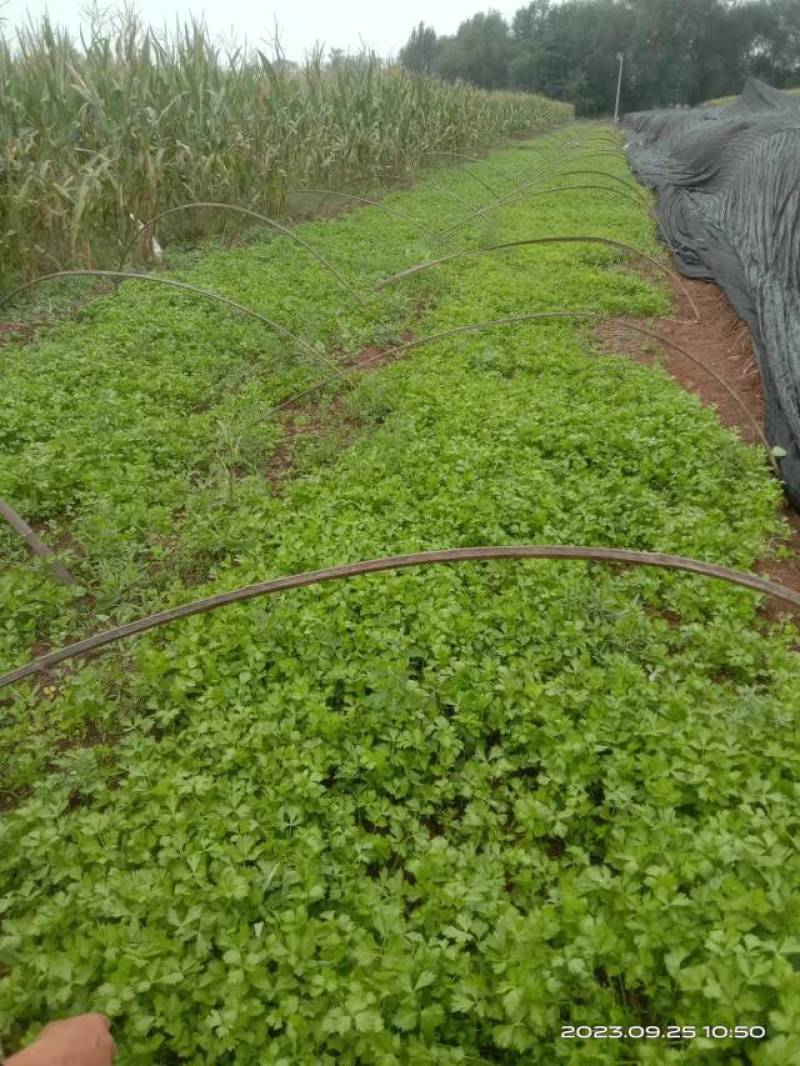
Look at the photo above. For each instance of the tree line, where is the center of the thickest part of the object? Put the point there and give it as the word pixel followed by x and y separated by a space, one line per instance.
pixel 675 51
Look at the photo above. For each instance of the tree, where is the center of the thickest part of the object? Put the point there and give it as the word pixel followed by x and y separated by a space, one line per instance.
pixel 420 51
pixel 569 50
pixel 773 51
pixel 480 52
pixel 530 20
pixel 676 51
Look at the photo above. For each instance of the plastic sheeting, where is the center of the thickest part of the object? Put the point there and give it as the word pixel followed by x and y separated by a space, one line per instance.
pixel 727 184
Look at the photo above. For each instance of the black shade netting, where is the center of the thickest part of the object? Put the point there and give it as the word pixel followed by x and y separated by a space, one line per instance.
pixel 727 184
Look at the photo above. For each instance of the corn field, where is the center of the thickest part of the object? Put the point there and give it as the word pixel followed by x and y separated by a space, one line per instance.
pixel 128 122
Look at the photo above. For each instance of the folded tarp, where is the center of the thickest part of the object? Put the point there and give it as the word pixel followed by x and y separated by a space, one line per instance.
pixel 727 184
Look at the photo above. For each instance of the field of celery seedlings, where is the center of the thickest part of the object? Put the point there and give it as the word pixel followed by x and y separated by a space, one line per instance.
pixel 419 817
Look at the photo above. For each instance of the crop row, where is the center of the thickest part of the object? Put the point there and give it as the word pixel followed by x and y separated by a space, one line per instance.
pixel 93 138
pixel 416 817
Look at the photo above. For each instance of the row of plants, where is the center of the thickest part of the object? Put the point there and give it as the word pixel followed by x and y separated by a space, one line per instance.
pixel 426 817
pixel 97 135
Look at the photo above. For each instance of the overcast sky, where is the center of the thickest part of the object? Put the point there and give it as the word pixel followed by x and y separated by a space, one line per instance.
pixel 382 25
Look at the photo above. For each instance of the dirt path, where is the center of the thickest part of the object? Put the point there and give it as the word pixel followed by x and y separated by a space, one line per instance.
pixel 722 341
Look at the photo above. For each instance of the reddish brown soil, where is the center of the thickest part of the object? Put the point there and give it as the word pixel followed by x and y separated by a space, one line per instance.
pixel 308 417
pixel 721 340
pixel 15 331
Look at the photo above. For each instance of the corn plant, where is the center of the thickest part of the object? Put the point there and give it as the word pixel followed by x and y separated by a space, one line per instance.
pixel 100 133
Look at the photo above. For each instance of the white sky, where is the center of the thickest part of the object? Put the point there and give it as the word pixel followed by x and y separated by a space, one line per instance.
pixel 383 25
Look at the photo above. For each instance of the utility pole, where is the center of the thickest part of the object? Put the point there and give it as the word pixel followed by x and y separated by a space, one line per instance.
pixel 619 87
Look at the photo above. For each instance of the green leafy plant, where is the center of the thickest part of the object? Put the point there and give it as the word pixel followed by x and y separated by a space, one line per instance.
pixel 427 817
